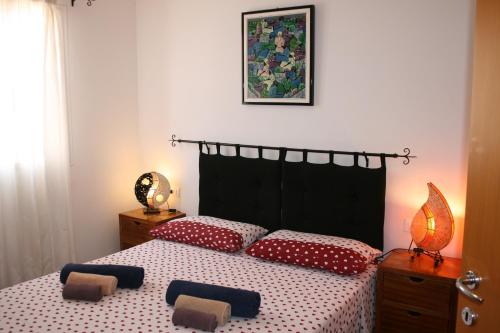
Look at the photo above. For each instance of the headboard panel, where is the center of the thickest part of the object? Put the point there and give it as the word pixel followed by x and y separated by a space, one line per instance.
pixel 334 200
pixel 241 189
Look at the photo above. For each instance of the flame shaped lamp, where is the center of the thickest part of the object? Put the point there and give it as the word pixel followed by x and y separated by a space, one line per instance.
pixel 152 190
pixel 432 227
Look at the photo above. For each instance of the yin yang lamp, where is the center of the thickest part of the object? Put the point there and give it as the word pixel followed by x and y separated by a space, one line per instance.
pixel 432 227
pixel 152 190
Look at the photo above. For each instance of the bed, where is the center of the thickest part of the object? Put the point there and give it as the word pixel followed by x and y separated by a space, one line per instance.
pixel 294 299
pixel 281 195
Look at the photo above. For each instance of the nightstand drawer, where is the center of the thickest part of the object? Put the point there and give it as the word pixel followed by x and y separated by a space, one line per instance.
pixel 134 232
pixel 395 319
pixel 418 291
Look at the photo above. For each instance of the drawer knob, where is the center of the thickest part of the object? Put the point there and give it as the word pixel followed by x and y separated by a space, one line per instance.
pixel 137 223
pixel 416 279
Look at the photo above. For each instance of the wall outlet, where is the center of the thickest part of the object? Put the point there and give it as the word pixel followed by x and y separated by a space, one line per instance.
pixel 406 225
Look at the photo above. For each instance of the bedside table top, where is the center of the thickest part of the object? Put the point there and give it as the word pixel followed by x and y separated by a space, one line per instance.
pixel 153 218
pixel 400 260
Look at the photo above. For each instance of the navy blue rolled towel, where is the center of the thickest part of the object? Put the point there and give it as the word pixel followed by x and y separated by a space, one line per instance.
pixel 244 303
pixel 128 276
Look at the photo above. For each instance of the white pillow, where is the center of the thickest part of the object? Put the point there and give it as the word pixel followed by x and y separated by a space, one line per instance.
pixel 249 232
pixel 364 249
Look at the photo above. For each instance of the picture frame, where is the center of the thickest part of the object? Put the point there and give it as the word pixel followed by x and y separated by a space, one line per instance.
pixel 278 56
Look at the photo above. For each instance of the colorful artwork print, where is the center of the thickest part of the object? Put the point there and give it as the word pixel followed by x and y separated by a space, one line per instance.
pixel 276 56
pixel 277 66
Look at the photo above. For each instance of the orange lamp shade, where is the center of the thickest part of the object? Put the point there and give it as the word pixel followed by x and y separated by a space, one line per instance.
pixel 433 226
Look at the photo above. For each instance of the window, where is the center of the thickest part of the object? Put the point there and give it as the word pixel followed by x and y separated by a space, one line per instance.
pixel 35 229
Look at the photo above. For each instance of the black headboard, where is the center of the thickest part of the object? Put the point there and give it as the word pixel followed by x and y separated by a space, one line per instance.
pixel 334 200
pixel 345 201
pixel 241 189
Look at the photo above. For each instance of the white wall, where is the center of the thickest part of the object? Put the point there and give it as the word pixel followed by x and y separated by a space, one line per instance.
pixel 104 121
pixel 389 74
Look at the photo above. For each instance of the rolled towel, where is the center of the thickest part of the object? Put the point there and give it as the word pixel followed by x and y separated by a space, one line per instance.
pixel 244 303
pixel 107 282
pixel 84 292
pixel 221 310
pixel 194 319
pixel 128 276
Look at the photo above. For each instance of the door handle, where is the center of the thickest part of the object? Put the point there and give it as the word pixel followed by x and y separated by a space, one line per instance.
pixel 467 284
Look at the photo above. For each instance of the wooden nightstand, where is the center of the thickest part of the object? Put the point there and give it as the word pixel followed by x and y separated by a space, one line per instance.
pixel 135 226
pixel 412 296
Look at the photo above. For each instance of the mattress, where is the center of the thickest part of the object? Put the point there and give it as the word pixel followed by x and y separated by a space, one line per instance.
pixel 294 299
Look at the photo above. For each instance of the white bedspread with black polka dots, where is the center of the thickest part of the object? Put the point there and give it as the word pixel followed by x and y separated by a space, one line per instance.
pixel 294 299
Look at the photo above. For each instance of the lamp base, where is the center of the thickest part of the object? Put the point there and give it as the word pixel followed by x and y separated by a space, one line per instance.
pixel 148 211
pixel 417 251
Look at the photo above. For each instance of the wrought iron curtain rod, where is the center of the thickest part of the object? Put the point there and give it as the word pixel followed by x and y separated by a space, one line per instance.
pixel 89 3
pixel 406 156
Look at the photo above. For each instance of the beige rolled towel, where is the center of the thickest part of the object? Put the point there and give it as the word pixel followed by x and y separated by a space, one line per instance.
pixel 221 310
pixel 107 282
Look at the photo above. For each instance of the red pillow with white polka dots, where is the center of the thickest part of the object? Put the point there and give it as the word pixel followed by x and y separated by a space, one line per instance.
pixel 364 249
pixel 333 258
pixel 199 234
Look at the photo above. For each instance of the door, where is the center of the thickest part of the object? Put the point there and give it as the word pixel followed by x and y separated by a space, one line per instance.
pixel 481 252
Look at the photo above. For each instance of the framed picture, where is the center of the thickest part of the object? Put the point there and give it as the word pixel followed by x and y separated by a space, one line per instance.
pixel 278 56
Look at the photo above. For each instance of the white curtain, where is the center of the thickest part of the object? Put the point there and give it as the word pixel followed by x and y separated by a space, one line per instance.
pixel 35 230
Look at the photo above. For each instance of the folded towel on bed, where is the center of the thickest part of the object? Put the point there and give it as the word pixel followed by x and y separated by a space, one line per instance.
pixel 107 282
pixel 221 310
pixel 84 292
pixel 195 319
pixel 244 303
pixel 128 276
